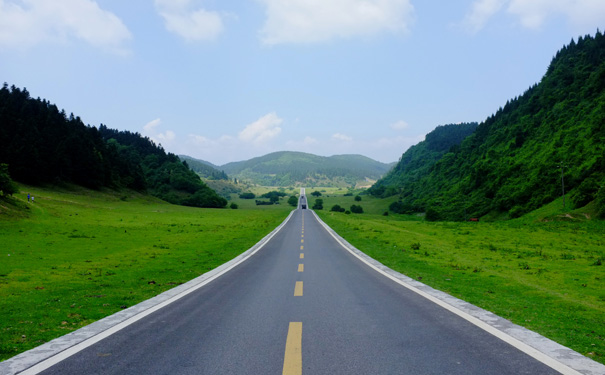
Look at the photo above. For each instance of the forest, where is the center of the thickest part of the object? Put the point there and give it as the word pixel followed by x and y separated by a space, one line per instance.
pixel 550 138
pixel 41 145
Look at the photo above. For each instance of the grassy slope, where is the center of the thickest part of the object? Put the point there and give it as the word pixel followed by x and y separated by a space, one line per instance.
pixel 81 256
pixel 542 275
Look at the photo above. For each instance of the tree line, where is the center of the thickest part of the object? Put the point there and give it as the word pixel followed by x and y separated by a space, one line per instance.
pixel 43 145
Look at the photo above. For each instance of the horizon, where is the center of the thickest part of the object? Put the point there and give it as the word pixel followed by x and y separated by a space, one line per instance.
pixel 230 82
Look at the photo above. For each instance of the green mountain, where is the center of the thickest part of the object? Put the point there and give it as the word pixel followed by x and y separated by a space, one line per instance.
pixel 204 168
pixel 297 168
pixel 515 160
pixel 416 162
pixel 42 145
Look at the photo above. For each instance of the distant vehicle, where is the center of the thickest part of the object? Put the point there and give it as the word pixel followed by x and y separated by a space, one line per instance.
pixel 303 202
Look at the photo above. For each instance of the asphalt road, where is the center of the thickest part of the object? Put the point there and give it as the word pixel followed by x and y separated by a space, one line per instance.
pixel 332 315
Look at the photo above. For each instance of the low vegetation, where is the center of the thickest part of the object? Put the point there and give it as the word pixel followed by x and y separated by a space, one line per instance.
pixel 75 256
pixel 544 272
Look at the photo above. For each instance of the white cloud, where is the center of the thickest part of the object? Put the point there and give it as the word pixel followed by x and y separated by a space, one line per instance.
pixel 481 12
pixel 585 15
pixel 400 125
pixel 30 22
pixel 311 21
pixel 164 139
pixel 191 25
pixel 342 137
pixel 262 130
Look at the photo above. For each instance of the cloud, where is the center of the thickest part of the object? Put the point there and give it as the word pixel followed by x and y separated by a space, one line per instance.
pixel 164 139
pixel 400 125
pixel 262 130
pixel 191 25
pixel 532 14
pixel 481 12
pixel 27 23
pixel 312 21
pixel 342 137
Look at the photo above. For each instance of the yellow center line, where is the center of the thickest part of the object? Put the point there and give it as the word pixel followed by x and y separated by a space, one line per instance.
pixel 298 289
pixel 293 355
pixel 302 256
pixel 302 247
pixel 302 241
pixel 301 268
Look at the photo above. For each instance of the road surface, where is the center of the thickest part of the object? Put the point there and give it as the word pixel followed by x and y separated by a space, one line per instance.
pixel 302 304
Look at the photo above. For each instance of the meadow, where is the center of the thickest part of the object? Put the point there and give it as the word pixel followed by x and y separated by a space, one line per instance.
pixel 78 256
pixel 541 272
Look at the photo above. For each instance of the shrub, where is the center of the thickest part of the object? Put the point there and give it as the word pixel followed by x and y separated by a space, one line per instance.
pixel 432 214
pixel 293 201
pixel 357 198
pixel 233 206
pixel 319 204
pixel 337 208
pixel 7 186
pixel 356 209
pixel 247 195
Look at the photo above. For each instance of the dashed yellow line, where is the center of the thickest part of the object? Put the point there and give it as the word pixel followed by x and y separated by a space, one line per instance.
pixel 301 268
pixel 302 256
pixel 293 355
pixel 298 289
pixel 302 247
pixel 302 241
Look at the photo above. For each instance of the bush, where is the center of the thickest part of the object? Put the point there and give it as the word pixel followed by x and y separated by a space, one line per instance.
pixel 293 201
pixel 585 193
pixel 316 193
pixel 7 186
pixel 337 208
pixel 319 204
pixel 600 203
pixel 356 209
pixel 432 214
pixel 247 195
pixel 357 198
pixel 233 206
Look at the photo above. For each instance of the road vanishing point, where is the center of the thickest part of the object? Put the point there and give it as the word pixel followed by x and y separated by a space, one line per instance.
pixel 301 303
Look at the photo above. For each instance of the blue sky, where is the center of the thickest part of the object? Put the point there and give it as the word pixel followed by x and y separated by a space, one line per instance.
pixel 229 80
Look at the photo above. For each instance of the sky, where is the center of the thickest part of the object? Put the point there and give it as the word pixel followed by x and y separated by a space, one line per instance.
pixel 226 81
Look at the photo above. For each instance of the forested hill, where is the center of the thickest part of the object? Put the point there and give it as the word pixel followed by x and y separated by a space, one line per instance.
pixel 204 169
pixel 416 162
pixel 298 168
pixel 42 145
pixel 512 162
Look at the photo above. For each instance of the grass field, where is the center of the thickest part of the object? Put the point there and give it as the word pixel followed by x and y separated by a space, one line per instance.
pixel 547 276
pixel 79 256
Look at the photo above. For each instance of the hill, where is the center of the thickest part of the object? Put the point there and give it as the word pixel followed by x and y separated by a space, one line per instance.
pixel 42 145
pixel 288 168
pixel 515 160
pixel 418 159
pixel 204 168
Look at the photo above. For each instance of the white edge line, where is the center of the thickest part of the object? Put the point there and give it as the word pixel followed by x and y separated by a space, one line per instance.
pixel 66 353
pixel 522 346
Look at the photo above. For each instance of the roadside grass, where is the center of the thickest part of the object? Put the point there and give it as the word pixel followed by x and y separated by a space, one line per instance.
pixel 546 276
pixel 79 256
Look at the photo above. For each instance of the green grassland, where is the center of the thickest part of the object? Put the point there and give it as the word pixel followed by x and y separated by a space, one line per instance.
pixel 544 272
pixel 78 256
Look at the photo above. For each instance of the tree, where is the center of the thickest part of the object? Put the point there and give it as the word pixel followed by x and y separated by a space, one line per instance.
pixel 293 201
pixel 7 186
pixel 357 198
pixel 318 205
pixel 337 208
pixel 233 206
pixel 356 209
pixel 316 193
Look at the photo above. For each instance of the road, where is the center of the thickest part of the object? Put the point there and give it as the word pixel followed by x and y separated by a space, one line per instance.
pixel 302 304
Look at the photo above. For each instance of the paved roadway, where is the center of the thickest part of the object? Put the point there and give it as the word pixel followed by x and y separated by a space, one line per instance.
pixel 302 304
